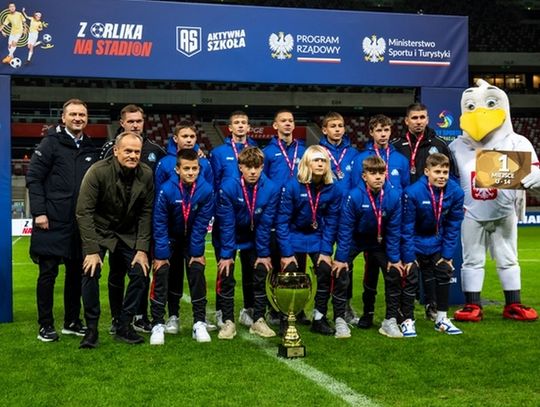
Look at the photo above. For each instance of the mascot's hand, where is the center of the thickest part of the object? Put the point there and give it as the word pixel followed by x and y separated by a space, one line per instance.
pixel 533 179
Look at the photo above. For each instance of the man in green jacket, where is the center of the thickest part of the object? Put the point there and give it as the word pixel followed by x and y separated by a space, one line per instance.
pixel 114 212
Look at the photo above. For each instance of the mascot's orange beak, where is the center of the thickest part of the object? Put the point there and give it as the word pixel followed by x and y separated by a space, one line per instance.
pixel 481 122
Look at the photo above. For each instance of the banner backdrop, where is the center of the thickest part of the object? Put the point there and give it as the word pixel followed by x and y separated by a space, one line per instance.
pixel 444 106
pixel 203 42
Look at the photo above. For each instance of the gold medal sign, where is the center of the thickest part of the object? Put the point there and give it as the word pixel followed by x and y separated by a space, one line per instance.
pixel 501 169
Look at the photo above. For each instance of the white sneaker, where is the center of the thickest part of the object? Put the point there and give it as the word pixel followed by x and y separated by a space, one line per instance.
pixel 446 326
pixel 246 317
pixel 228 330
pixel 219 318
pixel 342 329
pixel 390 328
pixel 158 335
pixel 260 328
pixel 172 325
pixel 200 333
pixel 408 328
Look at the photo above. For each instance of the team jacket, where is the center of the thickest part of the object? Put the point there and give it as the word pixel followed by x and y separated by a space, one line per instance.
pixel 165 166
pixel 150 155
pixel 418 229
pixel 168 219
pixel 397 163
pixel 234 219
pixel 223 161
pixel 275 165
pixel 358 222
pixel 294 229
pixel 430 144
pixel 347 163
pixel 53 180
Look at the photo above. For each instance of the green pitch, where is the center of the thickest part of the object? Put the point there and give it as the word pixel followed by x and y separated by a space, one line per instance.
pixel 495 362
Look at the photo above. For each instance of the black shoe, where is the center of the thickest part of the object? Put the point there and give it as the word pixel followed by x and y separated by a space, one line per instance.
pixel 90 339
pixel 142 324
pixel 74 328
pixel 321 326
pixel 365 321
pixel 301 319
pixel 350 315
pixel 47 334
pixel 115 323
pixel 128 335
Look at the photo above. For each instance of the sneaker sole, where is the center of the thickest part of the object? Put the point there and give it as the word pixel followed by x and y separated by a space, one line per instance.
pixel 227 337
pixel 202 340
pixel 342 336
pixel 383 332
pixel 172 331
pixel 42 339
pixel 70 332
pixel 157 343
pixel 262 334
pixel 141 330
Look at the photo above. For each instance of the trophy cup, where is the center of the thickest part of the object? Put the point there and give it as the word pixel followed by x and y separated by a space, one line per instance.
pixel 289 292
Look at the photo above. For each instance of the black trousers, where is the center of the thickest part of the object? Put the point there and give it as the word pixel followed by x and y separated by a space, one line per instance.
pixel 409 287
pixel 327 285
pixel 160 291
pixel 121 257
pixel 48 271
pixel 225 287
pixel 436 280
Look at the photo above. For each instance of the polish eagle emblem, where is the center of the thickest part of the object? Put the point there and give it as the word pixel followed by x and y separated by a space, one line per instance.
pixel 374 48
pixel 281 45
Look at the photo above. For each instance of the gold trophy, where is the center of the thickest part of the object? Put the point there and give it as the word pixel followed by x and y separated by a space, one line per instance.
pixel 289 292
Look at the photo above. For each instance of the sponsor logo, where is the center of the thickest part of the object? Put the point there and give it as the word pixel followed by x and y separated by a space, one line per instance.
pixel 281 45
pixel 307 47
pixel 226 40
pixel 374 48
pixel 446 119
pixel 188 40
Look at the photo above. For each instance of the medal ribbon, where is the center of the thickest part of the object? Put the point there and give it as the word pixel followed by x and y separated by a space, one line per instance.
pixel 235 151
pixel 377 213
pixel 415 150
pixel 337 163
pixel 186 207
pixel 250 205
pixel 313 205
pixel 387 157
pixel 437 208
pixel 290 164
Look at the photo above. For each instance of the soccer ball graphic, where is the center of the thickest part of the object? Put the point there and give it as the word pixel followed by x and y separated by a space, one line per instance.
pixel 47 38
pixel 15 63
pixel 97 30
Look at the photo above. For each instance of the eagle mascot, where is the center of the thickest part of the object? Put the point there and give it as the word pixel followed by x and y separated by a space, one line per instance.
pixel 491 215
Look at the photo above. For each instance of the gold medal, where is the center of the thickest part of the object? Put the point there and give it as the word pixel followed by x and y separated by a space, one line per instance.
pixel 413 170
pixel 315 225
pixel 340 175
pixel 379 239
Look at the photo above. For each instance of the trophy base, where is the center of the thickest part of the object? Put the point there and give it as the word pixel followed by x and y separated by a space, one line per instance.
pixel 291 352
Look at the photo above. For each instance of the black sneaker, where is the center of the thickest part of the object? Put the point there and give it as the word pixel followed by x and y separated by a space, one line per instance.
pixel 114 326
pixel 47 334
pixel 142 324
pixel 74 328
pixel 90 339
pixel 302 319
pixel 321 326
pixel 128 335
pixel 365 321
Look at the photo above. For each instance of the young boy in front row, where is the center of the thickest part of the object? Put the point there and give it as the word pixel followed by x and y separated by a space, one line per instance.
pixel 370 222
pixel 182 210
pixel 432 216
pixel 246 208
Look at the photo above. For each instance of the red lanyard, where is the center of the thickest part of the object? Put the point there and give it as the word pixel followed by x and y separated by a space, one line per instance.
pixel 387 157
pixel 437 208
pixel 337 163
pixel 378 212
pixel 250 205
pixel 284 152
pixel 235 151
pixel 414 151
pixel 186 207
pixel 313 205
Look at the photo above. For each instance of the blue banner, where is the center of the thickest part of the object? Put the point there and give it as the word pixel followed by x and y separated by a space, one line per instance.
pixel 444 106
pixel 6 283
pixel 202 42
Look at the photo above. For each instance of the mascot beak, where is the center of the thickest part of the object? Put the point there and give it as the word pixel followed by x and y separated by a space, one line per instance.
pixel 481 122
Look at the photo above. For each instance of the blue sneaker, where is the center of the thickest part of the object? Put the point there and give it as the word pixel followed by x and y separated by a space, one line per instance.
pixel 446 326
pixel 408 328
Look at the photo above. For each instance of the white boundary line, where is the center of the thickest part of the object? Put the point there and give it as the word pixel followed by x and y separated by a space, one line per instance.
pixel 15 241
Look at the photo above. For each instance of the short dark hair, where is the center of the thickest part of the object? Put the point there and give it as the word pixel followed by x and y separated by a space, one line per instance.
pixel 373 164
pixel 436 159
pixel 415 107
pixel 251 157
pixel 187 154
pixel 282 111
pixel 74 102
pixel 379 119
pixel 237 113
pixel 184 124
pixel 131 109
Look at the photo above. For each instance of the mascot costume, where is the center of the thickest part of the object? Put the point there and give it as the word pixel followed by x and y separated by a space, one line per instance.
pixel 491 215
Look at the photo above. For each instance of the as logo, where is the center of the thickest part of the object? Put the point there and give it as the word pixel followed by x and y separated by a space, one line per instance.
pixel 281 45
pixel 374 48
pixel 188 40
pixel 447 119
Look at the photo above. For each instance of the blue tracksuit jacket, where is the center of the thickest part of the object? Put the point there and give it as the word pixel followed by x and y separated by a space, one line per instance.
pixel 234 219
pixel 294 229
pixel 346 165
pixel 358 223
pixel 418 228
pixel 275 165
pixel 398 166
pixel 168 219
pixel 224 163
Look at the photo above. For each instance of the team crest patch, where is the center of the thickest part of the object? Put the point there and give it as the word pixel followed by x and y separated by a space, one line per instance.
pixel 433 150
pixel 152 157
